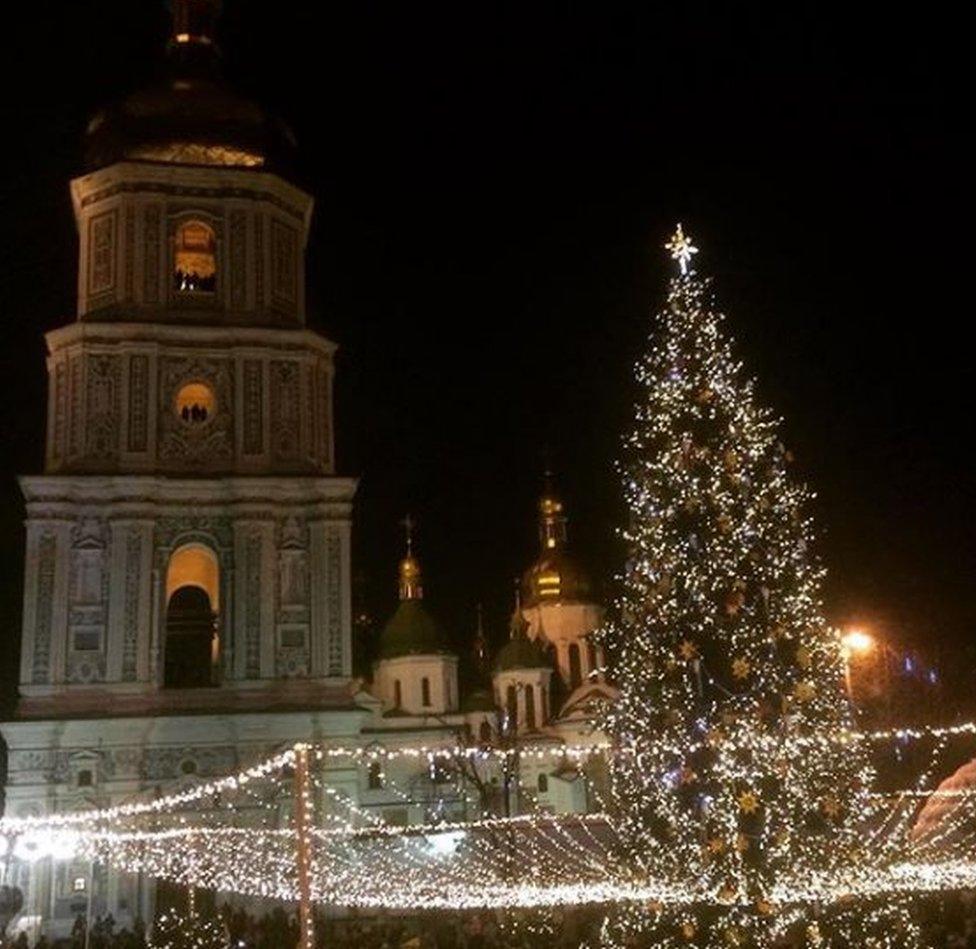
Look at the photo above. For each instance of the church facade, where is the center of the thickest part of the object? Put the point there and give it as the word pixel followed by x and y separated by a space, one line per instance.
pixel 187 606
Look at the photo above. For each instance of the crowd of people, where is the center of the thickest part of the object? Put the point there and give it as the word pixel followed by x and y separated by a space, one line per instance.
pixel 948 922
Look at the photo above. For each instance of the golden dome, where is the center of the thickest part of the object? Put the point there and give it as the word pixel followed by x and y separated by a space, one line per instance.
pixel 411 581
pixel 555 576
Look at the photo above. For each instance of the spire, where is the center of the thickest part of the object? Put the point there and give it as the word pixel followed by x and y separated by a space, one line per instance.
pixel 552 521
pixel 480 643
pixel 411 582
pixel 518 625
pixel 194 22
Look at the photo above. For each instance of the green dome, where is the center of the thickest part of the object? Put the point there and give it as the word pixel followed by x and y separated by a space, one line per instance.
pixel 412 631
pixel 520 652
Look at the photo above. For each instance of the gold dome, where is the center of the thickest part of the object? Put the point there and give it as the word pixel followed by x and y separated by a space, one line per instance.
pixel 555 576
pixel 411 581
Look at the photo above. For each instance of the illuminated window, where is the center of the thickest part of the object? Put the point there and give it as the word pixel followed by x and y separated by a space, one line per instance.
pixel 194 260
pixel 79 885
pixel 192 646
pixel 195 403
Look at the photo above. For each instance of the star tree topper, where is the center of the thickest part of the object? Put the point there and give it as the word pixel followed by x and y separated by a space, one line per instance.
pixel 681 249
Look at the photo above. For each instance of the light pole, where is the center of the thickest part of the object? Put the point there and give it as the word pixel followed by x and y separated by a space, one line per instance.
pixel 854 643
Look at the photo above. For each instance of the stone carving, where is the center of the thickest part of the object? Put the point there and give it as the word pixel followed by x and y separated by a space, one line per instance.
pixel 138 403
pixel 44 606
pixel 252 607
pixel 253 407
pixel 102 403
pixel 335 650
pixel 285 410
pixel 206 446
pixel 130 627
pixel 101 253
pixel 151 253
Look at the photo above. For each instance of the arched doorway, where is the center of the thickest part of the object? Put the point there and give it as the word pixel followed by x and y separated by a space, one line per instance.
pixel 192 644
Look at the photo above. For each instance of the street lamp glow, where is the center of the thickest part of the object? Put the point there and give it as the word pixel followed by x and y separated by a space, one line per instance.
pixel 857 642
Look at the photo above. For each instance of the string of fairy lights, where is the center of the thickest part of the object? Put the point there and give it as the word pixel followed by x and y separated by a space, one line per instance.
pixel 531 860
pixel 736 800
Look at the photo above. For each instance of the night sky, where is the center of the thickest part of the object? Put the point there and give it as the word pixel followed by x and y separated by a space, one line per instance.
pixel 493 184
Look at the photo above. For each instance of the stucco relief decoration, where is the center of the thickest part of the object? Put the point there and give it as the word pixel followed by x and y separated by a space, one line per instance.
pixel 138 403
pixel 166 764
pixel 285 410
pixel 133 581
pixel 333 573
pixel 88 591
pixel 213 531
pixel 60 385
pixel 151 253
pixel 103 398
pixel 252 607
pixel 76 426
pixel 238 259
pixel 43 608
pixel 101 250
pixel 284 248
pixel 253 407
pixel 211 444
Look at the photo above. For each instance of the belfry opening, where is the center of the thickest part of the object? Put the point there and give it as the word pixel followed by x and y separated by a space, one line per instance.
pixel 192 643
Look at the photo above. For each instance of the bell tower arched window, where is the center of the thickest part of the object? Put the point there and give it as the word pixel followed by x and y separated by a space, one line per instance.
pixel 192 644
pixel 195 258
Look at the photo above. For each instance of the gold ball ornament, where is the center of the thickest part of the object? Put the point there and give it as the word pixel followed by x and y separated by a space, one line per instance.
pixel 716 845
pixel 803 657
pixel 740 668
pixel 688 929
pixel 764 907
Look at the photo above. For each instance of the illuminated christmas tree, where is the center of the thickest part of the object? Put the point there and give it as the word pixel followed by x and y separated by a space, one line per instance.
pixel 737 782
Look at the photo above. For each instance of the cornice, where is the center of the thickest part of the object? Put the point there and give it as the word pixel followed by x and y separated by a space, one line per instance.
pixel 245 339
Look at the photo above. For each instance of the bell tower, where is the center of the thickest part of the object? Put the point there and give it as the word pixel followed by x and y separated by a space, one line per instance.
pixel 189 533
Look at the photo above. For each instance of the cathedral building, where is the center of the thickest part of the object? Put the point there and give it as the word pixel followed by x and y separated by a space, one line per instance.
pixel 187 607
